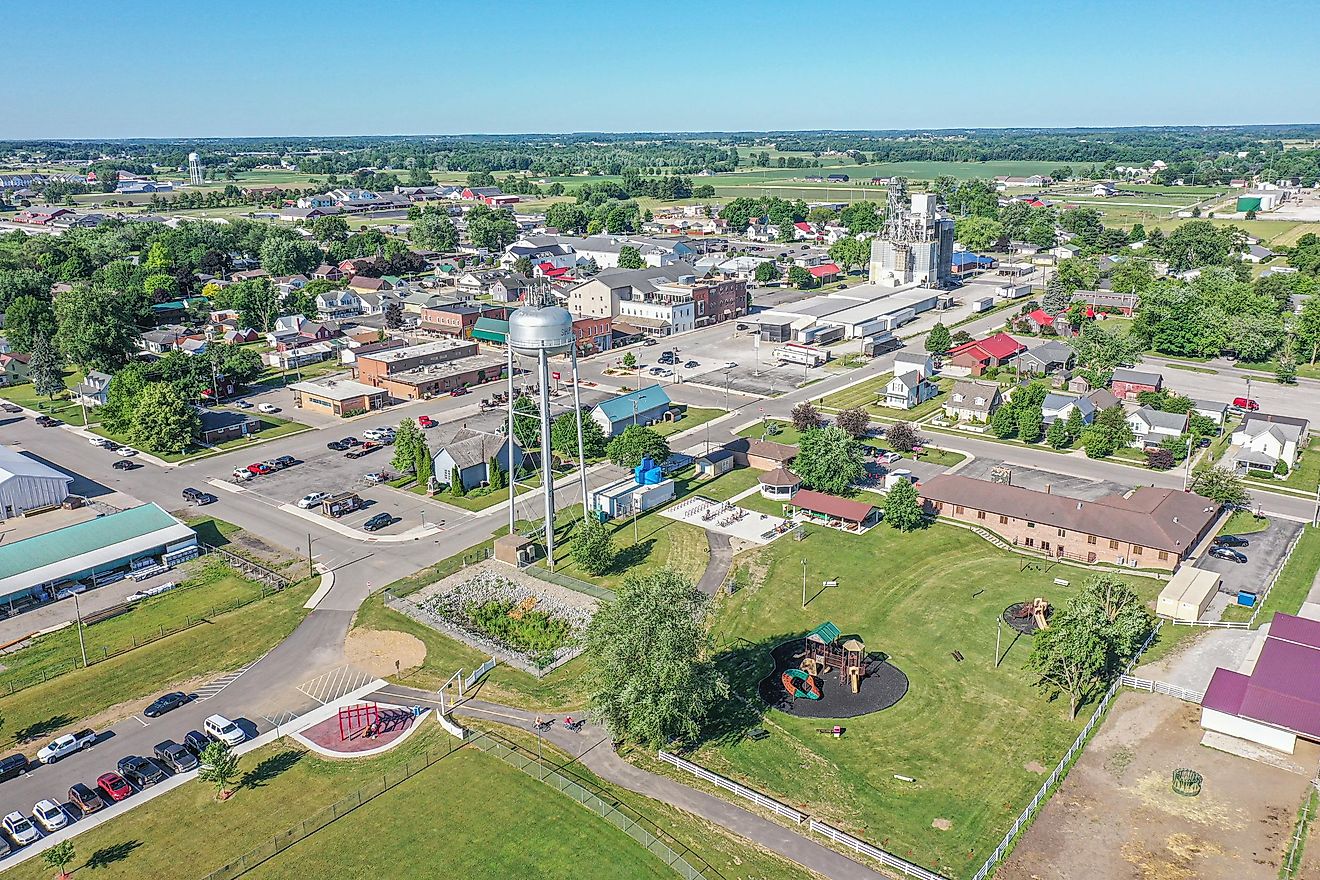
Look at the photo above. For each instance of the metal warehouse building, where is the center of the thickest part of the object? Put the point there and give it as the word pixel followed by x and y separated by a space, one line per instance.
pixel 27 484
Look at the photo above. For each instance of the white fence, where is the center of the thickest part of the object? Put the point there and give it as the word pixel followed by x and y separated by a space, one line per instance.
pixel 1159 687
pixel 1061 769
pixel 1260 598
pixel 478 673
pixel 887 859
pixel 742 791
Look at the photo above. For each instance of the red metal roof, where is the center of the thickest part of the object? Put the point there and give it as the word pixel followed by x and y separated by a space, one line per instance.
pixel 1301 630
pixel 1000 346
pixel 1284 686
pixel 832 505
pixel 1040 316
pixel 1226 691
pixel 823 270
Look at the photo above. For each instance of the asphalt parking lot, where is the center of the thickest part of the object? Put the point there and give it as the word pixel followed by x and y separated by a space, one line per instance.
pixel 1264 556
pixel 1043 480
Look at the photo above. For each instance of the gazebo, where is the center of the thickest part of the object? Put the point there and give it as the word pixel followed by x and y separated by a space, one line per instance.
pixel 779 484
pixel 841 513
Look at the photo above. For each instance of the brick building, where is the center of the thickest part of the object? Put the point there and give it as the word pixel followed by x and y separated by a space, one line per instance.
pixel 458 319
pixel 373 367
pixel 1149 528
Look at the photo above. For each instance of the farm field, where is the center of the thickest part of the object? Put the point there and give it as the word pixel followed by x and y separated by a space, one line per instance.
pixel 976 740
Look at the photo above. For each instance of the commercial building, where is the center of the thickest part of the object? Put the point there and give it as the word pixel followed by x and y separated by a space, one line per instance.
pixel 27 484
pixel 93 552
pixel 916 244
pixel 641 407
pixel 220 425
pixel 458 319
pixel 443 378
pixel 854 313
pixel 373 367
pixel 659 300
pixel 1147 528
pixel 338 397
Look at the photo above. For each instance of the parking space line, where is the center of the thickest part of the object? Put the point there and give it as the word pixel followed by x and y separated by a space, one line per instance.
pixel 140 721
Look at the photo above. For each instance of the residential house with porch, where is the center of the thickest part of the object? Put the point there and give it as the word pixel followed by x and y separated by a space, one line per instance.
pixel 975 357
pixel 1152 427
pixel 93 390
pixel 1061 406
pixel 14 368
pixel 972 401
pixel 1051 356
pixel 1264 440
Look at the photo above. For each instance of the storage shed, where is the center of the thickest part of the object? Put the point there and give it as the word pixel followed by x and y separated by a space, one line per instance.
pixel 1188 594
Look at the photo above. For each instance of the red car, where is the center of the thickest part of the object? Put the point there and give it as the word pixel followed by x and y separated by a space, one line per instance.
pixel 1246 403
pixel 458 392
pixel 260 468
pixel 426 421
pixel 114 786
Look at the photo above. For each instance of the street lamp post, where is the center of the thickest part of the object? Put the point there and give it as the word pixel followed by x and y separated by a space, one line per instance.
pixel 804 583
pixel 82 645
pixel 1187 474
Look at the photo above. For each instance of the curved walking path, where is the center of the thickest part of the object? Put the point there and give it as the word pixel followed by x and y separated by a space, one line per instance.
pixel 591 747
pixel 721 560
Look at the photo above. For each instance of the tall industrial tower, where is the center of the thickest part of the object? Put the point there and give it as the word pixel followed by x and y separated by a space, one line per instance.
pixel 538 331
pixel 194 169
pixel 916 243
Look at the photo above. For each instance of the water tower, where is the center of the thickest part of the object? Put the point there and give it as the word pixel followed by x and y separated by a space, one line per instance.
pixel 539 331
pixel 194 169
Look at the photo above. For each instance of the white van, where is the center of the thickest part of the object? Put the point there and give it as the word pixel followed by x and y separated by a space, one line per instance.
pixel 221 728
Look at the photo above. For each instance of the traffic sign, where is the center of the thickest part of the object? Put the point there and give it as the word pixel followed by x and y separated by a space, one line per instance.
pixel 555 376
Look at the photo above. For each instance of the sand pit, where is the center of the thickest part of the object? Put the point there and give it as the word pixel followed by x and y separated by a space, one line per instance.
pixel 377 650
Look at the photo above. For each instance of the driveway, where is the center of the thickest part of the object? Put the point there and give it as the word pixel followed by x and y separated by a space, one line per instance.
pixel 1264 556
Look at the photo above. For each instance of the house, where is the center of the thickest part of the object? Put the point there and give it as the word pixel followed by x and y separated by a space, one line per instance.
pixel 644 406
pixel 907 361
pixel 1102 399
pixel 1104 190
pixel 1048 357
pixel 471 452
pixel 804 231
pixel 221 425
pixel 973 401
pixel 509 287
pixel 1264 440
pixel 1278 699
pixel 240 336
pixel 825 272
pixel 338 303
pixel 458 319
pixel 1039 320
pixel 1061 406
pixel 287 284
pixel 1102 301
pixel 1152 427
pixel 712 464
pixel 327 272
pixel 908 390
pixel 1257 254
pixel 363 284
pixel 92 391
pixel 1127 384
pixel 975 357
pixel 763 455
pixel 14 369
pixel 1144 528
pixel 1211 409
pixel 837 178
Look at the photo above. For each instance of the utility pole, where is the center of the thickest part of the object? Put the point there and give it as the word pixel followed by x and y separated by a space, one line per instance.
pixel 311 568
pixel 1187 474
pixel 804 583
pixel 82 645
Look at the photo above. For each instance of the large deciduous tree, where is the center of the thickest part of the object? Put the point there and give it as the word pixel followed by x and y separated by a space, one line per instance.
pixel 652 678
pixel 1219 484
pixel 829 460
pixel 27 318
pixel 163 421
pixel 635 443
pixel 434 231
pixel 630 258
pixel 805 416
pixel 902 507
pixel 938 340
pixel 96 331
pixel 593 549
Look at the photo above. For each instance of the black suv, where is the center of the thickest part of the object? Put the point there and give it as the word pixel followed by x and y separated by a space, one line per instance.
pixel 285 461
pixel 1230 541
pixel 12 766
pixel 175 756
pixel 141 772
pixel 341 445
pixel 197 496
pixel 195 741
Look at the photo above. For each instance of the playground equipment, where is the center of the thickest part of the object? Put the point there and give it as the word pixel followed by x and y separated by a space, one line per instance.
pixel 800 684
pixel 1037 609
pixel 1186 782
pixel 358 717
pixel 824 651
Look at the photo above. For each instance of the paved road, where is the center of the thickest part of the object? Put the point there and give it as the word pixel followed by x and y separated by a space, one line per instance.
pixel 1302 399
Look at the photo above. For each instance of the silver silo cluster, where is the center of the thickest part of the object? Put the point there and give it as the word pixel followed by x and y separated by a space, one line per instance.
pixel 539 331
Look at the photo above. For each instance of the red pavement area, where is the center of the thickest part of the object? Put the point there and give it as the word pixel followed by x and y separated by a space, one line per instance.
pixel 394 723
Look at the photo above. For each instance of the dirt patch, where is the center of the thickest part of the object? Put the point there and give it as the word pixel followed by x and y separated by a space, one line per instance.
pixel 1116 813
pixel 383 652
pixel 1035 767
pixel 941 824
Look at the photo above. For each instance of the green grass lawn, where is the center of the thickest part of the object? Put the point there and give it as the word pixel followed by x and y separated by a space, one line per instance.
pixel 786 433
pixel 1306 476
pixel 725 486
pixel 693 417
pixel 207 585
pixel 1295 581
pixel 227 642
pixel 864 394
pixel 61 407
pixel 945 457
pixel 965 730
pixel 1244 522
pixel 476 500
pixel 270 428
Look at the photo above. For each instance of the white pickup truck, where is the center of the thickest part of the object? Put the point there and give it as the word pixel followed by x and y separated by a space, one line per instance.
pixel 66 745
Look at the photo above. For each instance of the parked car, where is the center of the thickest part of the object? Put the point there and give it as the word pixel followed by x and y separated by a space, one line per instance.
pixel 1246 403
pixel 63 746
pixel 378 434
pixel 1231 541
pixel 11 408
pixel 5 848
pixel 375 478
pixel 267 408
pixel 20 829
pixel 47 421
pixel 220 728
pixel 458 392
pixel 740 327
pixel 195 741
pixel 197 496
pixel 49 815
pixel 1227 553
pixel 126 451
pixel 661 371
pixel 285 461
pixel 166 703
pixel 97 441
pixel 260 468
pixel 175 757
pixel 243 404
pixel 891 457
pixel 87 800
pixel 729 365
pixel 140 771
pixel 379 521
pixel 12 766
pixel 426 422
pixel 242 475
pixel 113 786
pixel 691 365
pixel 125 465
pixel 310 500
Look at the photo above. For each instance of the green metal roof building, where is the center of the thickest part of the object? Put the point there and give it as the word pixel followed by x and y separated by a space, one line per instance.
pixel 491 330
pixel 89 550
pixel 1248 203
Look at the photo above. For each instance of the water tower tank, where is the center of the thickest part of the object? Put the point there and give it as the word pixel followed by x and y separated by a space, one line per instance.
pixel 534 329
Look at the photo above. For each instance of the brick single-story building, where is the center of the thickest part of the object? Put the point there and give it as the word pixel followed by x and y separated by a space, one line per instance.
pixel 338 397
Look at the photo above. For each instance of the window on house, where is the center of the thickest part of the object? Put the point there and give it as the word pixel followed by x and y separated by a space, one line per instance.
pixel 958 509
pixel 1113 545
pixel 1136 549
pixel 1090 539
pixel 1003 520
pixel 1045 545
pixel 980 514
pixel 1031 542
pixel 1031 525
pixel 1062 533
pixel 1164 555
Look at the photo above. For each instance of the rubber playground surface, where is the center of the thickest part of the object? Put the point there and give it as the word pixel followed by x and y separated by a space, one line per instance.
pixel 883 686
pixel 394 722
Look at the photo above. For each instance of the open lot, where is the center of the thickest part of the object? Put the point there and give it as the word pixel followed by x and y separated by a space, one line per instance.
pixel 1264 556
pixel 977 740
pixel 1117 815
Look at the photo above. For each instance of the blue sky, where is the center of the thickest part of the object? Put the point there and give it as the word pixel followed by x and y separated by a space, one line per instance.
pixel 143 68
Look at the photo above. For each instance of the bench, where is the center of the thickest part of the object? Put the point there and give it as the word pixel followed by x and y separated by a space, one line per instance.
pixel 1060 582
